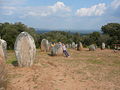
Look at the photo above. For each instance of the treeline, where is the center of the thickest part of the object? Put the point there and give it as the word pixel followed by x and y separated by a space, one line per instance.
pixel 110 34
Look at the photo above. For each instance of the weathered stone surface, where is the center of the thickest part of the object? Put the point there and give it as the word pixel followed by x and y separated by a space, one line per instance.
pixel 92 47
pixel 57 50
pixel 103 46
pixel 73 45
pixel 25 49
pixel 3 73
pixel 4 46
pixel 45 46
pixel 79 46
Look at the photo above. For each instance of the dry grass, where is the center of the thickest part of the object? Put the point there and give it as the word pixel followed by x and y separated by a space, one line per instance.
pixel 84 70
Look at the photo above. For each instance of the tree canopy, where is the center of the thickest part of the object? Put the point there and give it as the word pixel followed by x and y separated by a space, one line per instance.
pixel 110 35
pixel 113 30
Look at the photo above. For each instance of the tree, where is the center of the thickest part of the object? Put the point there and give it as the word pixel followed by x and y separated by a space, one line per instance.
pixel 9 32
pixel 113 30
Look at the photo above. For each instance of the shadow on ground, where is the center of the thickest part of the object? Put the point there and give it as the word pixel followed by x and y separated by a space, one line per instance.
pixel 15 63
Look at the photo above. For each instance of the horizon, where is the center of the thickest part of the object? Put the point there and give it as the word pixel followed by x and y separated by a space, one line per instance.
pixel 61 15
pixel 73 30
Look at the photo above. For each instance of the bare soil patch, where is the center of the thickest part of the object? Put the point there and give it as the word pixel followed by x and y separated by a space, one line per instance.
pixel 83 70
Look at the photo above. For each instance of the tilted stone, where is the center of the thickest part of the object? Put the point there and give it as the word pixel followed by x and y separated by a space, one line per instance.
pixel 57 50
pixel 25 49
pixel 92 47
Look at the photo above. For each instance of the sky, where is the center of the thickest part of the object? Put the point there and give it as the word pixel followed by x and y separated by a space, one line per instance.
pixel 62 14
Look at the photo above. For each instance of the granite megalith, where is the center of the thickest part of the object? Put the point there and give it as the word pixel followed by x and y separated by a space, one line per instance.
pixel 25 49
pixel 45 46
pixel 73 45
pixel 4 46
pixel 103 46
pixel 57 50
pixel 3 72
pixel 92 47
pixel 79 46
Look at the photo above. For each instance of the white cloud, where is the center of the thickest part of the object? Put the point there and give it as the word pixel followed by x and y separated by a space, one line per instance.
pixel 7 10
pixel 7 7
pixel 115 4
pixel 12 2
pixel 59 6
pixel 45 11
pixel 57 9
pixel 96 10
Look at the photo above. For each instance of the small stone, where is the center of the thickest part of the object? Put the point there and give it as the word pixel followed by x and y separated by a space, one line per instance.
pixel 92 47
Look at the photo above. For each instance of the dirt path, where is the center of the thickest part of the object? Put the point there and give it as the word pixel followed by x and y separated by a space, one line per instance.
pixel 82 71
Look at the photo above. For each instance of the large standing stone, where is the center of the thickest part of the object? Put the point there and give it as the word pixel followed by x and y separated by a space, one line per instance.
pixel 79 46
pixel 45 46
pixel 92 47
pixel 3 76
pixel 25 49
pixel 57 50
pixel 4 46
pixel 103 46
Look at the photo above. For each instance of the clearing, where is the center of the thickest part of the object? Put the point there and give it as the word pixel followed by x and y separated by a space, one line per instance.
pixel 84 70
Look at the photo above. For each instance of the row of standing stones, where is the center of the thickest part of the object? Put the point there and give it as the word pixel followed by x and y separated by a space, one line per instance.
pixel 25 51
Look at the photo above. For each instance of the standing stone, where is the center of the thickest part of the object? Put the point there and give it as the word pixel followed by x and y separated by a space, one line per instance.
pixel 25 49
pixel 92 47
pixel 96 46
pixel 70 45
pixel 76 45
pixel 4 46
pixel 73 45
pixel 108 47
pixel 57 50
pixel 45 45
pixel 79 46
pixel 3 73
pixel 67 46
pixel 103 46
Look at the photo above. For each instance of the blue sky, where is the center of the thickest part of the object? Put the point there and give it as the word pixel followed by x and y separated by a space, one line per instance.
pixel 62 14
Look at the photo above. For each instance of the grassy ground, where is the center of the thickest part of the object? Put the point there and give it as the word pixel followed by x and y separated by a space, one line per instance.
pixel 83 70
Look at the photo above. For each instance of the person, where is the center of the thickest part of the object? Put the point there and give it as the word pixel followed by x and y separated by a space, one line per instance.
pixel 65 51
pixel 52 44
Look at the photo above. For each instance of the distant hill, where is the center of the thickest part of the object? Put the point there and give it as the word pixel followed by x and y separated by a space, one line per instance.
pixel 72 31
